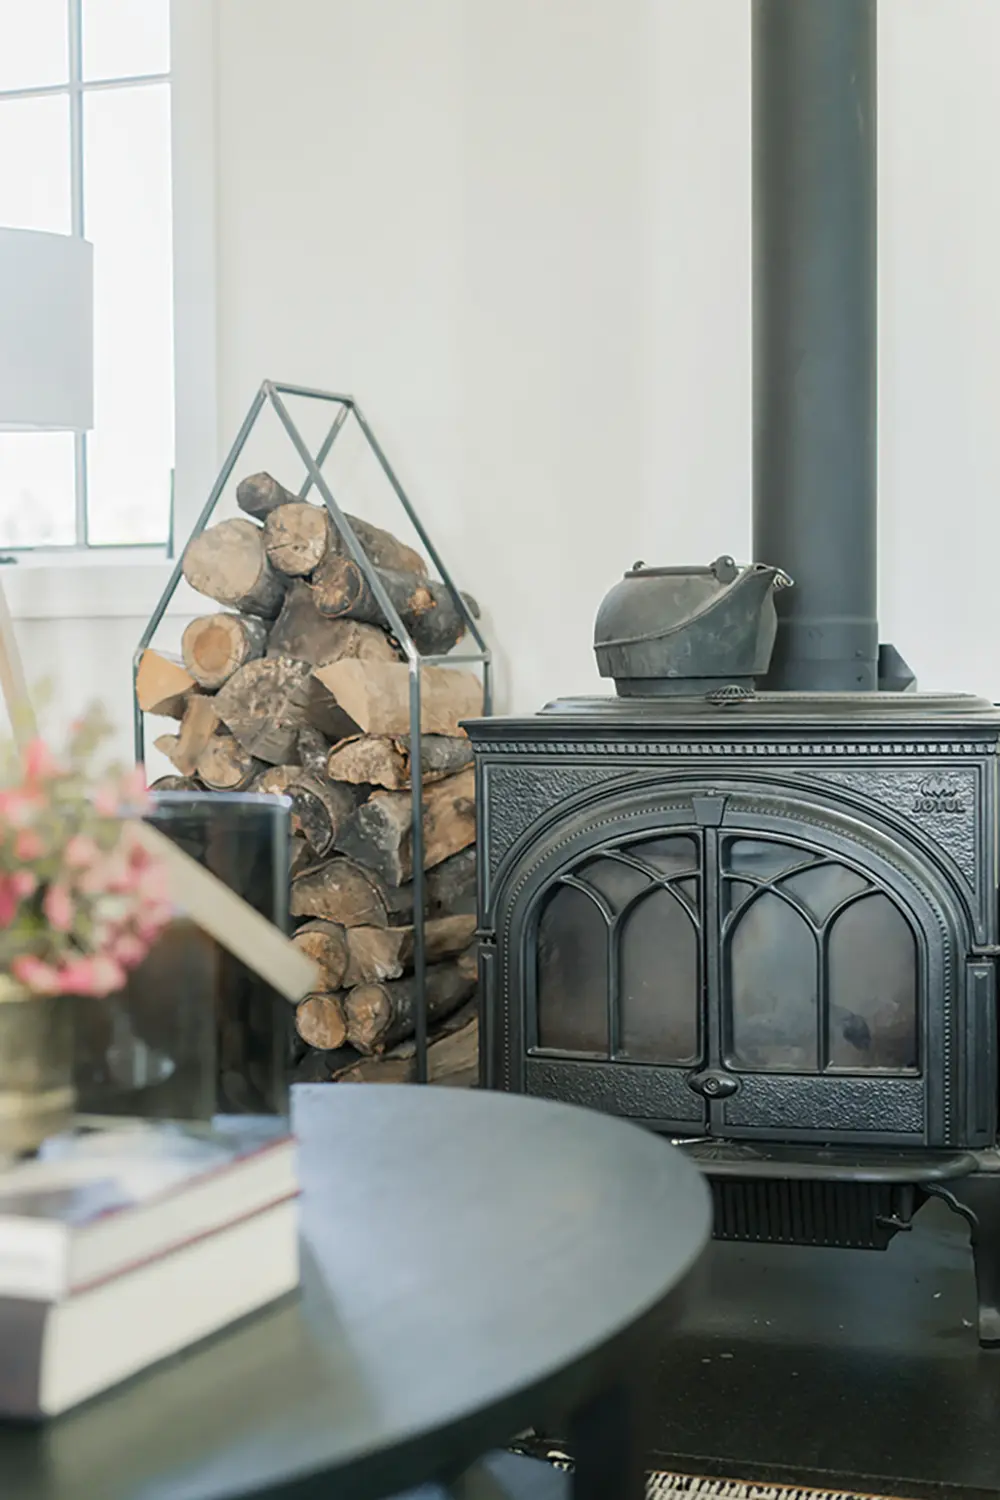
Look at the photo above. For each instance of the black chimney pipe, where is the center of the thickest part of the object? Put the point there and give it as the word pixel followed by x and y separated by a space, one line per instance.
pixel 814 335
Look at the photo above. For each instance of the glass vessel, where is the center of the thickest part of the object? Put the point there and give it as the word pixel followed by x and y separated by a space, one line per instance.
pixel 195 1033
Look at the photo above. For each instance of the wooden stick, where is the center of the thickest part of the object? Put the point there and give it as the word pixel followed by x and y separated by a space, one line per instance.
pixel 20 711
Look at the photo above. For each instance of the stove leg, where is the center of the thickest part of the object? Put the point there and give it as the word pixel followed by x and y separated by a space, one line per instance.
pixel 977 1199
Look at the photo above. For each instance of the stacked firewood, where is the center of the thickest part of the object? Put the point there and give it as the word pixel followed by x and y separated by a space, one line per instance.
pixel 299 688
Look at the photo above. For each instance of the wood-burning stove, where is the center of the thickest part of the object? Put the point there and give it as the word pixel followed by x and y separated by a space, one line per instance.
pixel 765 923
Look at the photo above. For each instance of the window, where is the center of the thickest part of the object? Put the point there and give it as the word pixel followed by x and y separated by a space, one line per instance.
pixel 85 149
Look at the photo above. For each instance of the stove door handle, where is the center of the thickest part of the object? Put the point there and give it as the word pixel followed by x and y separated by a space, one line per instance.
pixel 713 1084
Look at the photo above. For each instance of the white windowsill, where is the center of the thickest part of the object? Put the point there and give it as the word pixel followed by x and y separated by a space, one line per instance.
pixel 81 586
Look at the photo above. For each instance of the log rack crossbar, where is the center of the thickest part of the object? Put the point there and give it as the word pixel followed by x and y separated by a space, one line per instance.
pixel 273 393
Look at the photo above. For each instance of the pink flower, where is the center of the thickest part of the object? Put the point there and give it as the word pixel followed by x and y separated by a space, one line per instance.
pixel 35 975
pixel 77 977
pixel 24 883
pixel 39 762
pixel 81 852
pixel 9 901
pixel 27 845
pixel 129 950
pixel 108 974
pixel 58 907
pixel 16 806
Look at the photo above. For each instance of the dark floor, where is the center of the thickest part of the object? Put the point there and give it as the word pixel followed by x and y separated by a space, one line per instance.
pixel 836 1368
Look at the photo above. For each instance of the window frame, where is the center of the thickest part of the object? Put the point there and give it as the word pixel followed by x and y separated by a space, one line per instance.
pixel 75 89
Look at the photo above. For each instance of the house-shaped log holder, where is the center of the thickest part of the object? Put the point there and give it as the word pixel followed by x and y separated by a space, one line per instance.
pixel 276 394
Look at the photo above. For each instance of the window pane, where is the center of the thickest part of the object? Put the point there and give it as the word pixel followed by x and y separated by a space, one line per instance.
pixel 772 981
pixel 127 216
pixel 34 43
pixel 34 164
pixel 873 988
pixel 122 38
pixel 36 489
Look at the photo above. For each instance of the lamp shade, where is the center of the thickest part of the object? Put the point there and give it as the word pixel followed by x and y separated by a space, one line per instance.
pixel 46 332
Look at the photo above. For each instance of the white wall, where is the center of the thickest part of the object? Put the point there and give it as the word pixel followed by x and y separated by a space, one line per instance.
pixel 518 232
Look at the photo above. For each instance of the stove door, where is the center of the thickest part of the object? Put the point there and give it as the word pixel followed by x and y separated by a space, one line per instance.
pixel 617 976
pixel 817 989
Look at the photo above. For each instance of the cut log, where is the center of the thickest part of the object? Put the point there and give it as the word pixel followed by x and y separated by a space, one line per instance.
pixel 198 725
pixel 379 953
pixel 376 760
pixel 162 685
pixel 264 706
pixel 379 834
pixel 425 606
pixel 214 646
pixel 259 494
pixel 297 537
pixel 175 784
pixel 320 808
pixel 451 886
pixel 302 633
pixel 376 696
pixel 380 1015
pixel 384 549
pixel 326 945
pixel 320 1021
pixel 452 1062
pixel 224 765
pixel 312 750
pixel 343 892
pixel 228 563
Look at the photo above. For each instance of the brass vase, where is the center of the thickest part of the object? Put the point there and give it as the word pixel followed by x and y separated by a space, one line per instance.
pixel 37 1096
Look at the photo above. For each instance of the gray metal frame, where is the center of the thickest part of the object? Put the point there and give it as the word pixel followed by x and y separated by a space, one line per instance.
pixel 272 393
pixel 74 88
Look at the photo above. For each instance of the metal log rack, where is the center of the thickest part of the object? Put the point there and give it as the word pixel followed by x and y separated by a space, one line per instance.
pixel 273 393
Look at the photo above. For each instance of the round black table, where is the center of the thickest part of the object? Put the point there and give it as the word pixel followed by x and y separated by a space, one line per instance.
pixel 474 1264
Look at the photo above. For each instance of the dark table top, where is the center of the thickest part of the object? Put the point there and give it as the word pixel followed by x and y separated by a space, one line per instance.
pixel 468 1258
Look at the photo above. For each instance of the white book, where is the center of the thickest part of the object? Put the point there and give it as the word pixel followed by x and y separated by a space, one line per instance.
pixel 53 1355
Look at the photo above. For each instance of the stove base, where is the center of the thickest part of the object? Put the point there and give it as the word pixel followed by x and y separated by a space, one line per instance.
pixel 835 1198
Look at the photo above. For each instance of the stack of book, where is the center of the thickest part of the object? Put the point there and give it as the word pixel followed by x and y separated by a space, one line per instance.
pixel 122 1246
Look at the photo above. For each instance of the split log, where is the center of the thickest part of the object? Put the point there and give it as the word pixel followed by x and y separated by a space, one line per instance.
pixel 297 537
pixel 301 632
pixel 174 784
pixel 452 1062
pixel 376 696
pixel 320 1021
pixel 379 834
pixel 225 766
pixel 375 760
pixel 326 944
pixel 380 1015
pixel 425 606
pixel 198 725
pixel 312 750
pixel 451 886
pixel 162 685
pixel 259 496
pixel 343 892
pixel 378 953
pixel 228 563
pixel 320 809
pixel 214 646
pixel 264 705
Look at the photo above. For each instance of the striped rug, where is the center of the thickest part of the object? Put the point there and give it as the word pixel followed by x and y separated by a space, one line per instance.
pixel 662 1486
pixel 683 1487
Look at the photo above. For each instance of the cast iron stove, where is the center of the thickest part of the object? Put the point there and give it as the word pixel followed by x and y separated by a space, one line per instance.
pixel 752 901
